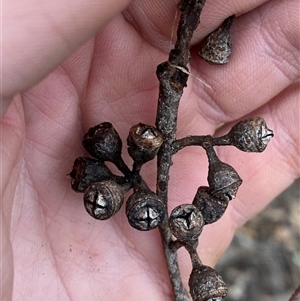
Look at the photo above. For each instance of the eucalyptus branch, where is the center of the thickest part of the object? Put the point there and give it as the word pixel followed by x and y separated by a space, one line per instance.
pixel 172 82
pixel 103 192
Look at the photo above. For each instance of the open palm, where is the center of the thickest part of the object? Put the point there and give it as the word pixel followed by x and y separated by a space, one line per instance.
pixel 55 250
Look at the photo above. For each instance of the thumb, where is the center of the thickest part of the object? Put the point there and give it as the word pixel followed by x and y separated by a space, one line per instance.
pixel 39 35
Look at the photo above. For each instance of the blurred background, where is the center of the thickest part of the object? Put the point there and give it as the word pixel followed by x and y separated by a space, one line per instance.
pixel 263 260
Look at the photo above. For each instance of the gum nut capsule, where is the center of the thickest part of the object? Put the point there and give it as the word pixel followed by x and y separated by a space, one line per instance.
pixel 143 142
pixel 144 210
pixel 186 222
pixel 216 48
pixel 251 135
pixel 87 171
pixel 222 178
pixel 211 207
pixel 103 142
pixel 104 199
pixel 206 284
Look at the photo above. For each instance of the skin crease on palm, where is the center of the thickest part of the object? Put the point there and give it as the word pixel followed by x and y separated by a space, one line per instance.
pixel 70 65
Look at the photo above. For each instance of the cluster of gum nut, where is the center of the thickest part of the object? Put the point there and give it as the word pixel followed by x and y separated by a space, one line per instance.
pixel 104 191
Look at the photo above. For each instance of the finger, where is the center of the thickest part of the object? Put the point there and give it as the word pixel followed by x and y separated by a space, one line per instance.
pixel 162 18
pixel 123 86
pixel 123 43
pixel 214 13
pixel 263 63
pixel 38 36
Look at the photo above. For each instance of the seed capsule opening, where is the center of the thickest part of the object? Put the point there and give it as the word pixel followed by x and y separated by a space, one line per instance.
pixel 144 210
pixel 251 135
pixel 143 142
pixel 104 199
pixel 186 222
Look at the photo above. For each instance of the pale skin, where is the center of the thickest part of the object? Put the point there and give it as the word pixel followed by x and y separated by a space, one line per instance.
pixel 70 65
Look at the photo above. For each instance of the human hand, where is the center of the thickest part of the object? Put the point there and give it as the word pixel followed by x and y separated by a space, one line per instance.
pixel 59 251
